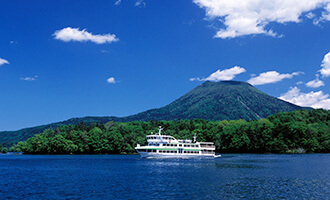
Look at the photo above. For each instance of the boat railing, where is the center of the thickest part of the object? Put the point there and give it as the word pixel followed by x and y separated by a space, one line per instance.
pixel 207 152
pixel 207 146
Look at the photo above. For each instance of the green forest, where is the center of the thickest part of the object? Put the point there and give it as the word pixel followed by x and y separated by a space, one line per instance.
pixel 302 131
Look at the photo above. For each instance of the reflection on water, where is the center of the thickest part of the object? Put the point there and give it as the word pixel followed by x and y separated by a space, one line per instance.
pixel 233 176
pixel 239 166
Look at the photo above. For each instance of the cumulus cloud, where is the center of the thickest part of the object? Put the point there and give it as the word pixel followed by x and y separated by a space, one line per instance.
pixel 111 80
pixel 326 14
pixel 3 61
pixel 315 83
pixel 250 17
pixel 224 75
pixel 325 71
pixel 270 77
pixel 74 34
pixel 118 2
pixel 29 78
pixel 311 99
pixel 140 3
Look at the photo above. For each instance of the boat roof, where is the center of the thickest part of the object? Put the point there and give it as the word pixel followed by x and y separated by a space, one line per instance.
pixel 155 135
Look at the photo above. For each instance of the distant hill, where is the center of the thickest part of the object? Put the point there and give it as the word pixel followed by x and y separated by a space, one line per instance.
pixel 226 100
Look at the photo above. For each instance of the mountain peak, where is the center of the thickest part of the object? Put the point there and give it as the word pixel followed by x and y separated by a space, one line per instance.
pixel 225 83
pixel 224 100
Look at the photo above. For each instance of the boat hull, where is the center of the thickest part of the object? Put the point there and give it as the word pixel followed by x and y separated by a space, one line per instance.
pixel 174 155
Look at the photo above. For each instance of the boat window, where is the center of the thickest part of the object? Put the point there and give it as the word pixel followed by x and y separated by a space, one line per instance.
pixel 180 145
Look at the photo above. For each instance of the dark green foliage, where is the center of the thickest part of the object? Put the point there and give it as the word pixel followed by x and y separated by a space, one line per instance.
pixel 226 100
pixel 9 138
pixel 288 132
pixel 3 149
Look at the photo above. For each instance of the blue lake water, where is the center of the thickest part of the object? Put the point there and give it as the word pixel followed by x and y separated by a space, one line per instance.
pixel 234 176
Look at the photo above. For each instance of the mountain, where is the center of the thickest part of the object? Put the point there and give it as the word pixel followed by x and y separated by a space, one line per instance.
pixel 226 100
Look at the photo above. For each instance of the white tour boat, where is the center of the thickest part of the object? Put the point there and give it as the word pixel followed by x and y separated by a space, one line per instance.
pixel 167 146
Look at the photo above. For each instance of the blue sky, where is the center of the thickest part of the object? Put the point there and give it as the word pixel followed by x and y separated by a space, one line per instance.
pixel 64 59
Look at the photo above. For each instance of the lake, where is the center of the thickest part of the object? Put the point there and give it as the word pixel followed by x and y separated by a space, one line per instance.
pixel 234 176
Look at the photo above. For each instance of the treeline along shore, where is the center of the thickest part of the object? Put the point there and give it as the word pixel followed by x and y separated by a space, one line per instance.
pixel 288 132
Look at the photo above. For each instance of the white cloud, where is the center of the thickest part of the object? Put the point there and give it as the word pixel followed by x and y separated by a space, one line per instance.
pixel 315 83
pixel 250 17
pixel 224 75
pixel 74 34
pixel 29 78
pixel 140 3
pixel 325 71
pixel 311 99
pixel 3 61
pixel 270 77
pixel 310 15
pixel 111 80
pixel 326 14
pixel 117 3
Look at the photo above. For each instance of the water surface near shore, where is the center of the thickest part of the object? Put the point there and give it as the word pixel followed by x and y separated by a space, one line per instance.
pixel 234 176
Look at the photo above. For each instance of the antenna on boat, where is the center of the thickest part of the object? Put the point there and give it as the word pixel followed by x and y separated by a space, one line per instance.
pixel 160 130
pixel 195 138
